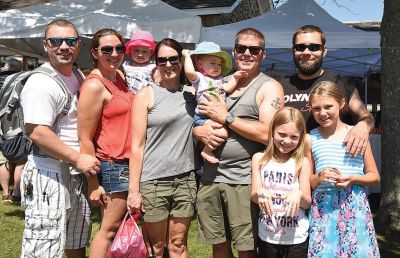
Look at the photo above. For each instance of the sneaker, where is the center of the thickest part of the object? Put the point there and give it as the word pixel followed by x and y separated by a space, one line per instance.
pixel 7 199
pixel 15 199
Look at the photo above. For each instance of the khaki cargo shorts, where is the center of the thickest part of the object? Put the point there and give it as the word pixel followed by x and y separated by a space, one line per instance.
pixel 224 214
pixel 173 196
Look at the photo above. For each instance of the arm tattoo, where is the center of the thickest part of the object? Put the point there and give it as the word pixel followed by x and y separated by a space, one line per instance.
pixel 276 103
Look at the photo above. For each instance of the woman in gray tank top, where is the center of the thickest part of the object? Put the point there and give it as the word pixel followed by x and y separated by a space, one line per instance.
pixel 161 167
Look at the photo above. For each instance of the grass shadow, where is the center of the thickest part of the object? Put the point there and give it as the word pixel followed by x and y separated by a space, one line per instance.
pixel 16 213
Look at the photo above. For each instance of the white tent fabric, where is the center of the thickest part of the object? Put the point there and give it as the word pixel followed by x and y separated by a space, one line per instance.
pixel 23 28
pixel 350 51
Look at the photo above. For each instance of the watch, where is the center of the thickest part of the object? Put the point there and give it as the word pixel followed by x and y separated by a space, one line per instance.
pixel 229 119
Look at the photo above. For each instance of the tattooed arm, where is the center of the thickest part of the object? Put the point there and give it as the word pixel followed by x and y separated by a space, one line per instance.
pixel 269 99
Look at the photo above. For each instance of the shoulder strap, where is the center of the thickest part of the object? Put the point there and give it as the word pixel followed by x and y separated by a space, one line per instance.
pixel 78 75
pixel 53 74
pixel 260 78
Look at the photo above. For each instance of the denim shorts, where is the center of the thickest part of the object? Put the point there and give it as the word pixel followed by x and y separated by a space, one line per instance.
pixel 114 177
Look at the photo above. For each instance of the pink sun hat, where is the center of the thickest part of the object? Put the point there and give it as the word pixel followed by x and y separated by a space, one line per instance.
pixel 141 38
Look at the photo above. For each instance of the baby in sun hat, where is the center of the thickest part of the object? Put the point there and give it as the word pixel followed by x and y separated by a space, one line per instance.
pixel 206 76
pixel 138 71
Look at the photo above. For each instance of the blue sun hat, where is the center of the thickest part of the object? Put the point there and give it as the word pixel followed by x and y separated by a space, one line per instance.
pixel 212 49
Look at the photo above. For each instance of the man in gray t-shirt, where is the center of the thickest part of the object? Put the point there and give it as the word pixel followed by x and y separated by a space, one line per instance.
pixel 224 194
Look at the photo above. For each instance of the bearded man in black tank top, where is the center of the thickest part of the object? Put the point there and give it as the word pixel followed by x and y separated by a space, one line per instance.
pixel 308 53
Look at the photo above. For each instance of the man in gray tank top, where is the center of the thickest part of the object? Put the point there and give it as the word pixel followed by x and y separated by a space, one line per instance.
pixel 224 214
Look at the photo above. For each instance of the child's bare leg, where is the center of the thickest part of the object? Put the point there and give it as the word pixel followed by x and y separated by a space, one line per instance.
pixel 207 152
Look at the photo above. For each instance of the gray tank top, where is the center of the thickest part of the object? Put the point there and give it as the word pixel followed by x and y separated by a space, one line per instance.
pixel 236 153
pixel 169 149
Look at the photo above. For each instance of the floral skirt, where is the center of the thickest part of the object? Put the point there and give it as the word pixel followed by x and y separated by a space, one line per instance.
pixel 341 224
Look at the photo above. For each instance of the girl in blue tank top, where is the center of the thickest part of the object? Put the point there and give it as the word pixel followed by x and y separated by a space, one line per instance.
pixel 340 218
pixel 280 185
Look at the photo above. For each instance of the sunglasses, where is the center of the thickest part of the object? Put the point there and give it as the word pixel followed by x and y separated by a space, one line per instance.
pixel 254 50
pixel 311 47
pixel 160 61
pixel 57 42
pixel 108 50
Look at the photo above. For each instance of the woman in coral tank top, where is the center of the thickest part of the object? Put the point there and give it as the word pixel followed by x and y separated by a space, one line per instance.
pixel 104 113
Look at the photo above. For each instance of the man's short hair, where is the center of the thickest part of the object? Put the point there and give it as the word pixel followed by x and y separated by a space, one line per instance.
pixel 60 23
pixel 13 65
pixel 251 31
pixel 309 29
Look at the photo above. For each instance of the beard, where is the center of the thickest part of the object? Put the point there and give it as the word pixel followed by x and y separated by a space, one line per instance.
pixel 308 69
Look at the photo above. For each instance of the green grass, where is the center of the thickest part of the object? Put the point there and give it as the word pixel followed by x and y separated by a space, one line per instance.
pixel 12 223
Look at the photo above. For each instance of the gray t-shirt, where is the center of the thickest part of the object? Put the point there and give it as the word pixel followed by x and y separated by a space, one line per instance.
pixel 169 149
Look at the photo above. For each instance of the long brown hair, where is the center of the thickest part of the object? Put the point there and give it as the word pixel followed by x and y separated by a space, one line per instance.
pixel 284 116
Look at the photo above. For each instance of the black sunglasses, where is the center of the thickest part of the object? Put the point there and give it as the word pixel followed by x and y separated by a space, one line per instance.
pixel 254 50
pixel 312 47
pixel 108 50
pixel 57 42
pixel 160 61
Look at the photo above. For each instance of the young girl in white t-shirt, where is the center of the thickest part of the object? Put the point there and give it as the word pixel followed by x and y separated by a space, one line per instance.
pixel 280 185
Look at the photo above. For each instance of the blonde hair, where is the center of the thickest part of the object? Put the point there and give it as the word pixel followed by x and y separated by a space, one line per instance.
pixel 284 116
pixel 327 89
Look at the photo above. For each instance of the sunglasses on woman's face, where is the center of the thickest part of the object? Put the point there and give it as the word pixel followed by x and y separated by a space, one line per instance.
pixel 312 47
pixel 160 61
pixel 108 50
pixel 57 42
pixel 254 50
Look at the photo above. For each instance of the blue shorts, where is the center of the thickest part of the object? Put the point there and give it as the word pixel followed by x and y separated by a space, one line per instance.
pixel 114 177
pixel 199 120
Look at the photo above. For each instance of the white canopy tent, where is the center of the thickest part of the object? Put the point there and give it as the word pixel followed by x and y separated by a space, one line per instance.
pixel 350 51
pixel 23 29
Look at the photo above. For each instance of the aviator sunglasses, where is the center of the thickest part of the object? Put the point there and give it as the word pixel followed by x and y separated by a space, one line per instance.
pixel 312 47
pixel 160 61
pixel 57 42
pixel 254 50
pixel 108 50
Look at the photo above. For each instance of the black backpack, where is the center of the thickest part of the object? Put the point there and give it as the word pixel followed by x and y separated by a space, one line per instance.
pixel 15 143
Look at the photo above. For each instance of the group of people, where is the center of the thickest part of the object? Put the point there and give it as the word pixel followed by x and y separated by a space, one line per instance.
pixel 130 142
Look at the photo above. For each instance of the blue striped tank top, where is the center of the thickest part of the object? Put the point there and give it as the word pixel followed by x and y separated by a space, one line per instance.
pixel 327 153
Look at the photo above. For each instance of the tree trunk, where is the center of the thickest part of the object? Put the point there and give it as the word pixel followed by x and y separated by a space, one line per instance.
pixel 389 210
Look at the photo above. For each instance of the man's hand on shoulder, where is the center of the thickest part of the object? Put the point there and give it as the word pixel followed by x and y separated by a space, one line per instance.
pixel 357 139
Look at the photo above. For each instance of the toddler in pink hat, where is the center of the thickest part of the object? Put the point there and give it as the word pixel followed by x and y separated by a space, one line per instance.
pixel 138 71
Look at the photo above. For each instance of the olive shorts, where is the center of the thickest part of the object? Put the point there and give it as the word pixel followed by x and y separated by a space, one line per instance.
pixel 173 196
pixel 224 214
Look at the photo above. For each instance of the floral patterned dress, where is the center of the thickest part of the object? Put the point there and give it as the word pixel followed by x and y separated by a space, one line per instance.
pixel 341 223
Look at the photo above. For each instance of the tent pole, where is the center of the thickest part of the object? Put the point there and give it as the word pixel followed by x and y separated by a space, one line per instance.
pixel 366 90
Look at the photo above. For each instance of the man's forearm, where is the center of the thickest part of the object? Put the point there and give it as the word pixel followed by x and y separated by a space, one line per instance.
pixel 252 130
pixel 368 120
